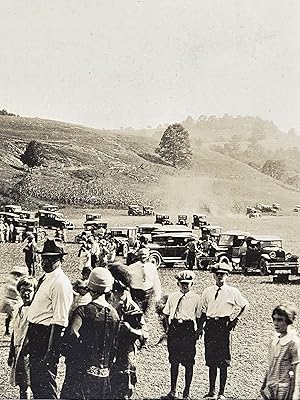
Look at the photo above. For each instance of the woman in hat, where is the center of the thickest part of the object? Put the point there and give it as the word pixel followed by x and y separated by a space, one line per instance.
pixel 92 337
pixel 182 312
pixel 282 378
pixel 132 333
pixel 218 305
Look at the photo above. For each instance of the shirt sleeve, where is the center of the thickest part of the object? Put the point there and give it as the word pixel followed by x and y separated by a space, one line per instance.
pixel 167 308
pixel 198 310
pixel 204 302
pixel 240 300
pixel 62 298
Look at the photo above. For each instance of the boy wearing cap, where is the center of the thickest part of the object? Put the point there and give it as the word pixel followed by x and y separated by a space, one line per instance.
pixel 182 312
pixel 218 304
pixel 48 315
pixel 92 337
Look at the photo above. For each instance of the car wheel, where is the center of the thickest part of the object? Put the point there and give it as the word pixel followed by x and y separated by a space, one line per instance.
pixel 263 267
pixel 155 258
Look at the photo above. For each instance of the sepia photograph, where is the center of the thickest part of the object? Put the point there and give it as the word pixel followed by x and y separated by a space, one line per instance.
pixel 150 200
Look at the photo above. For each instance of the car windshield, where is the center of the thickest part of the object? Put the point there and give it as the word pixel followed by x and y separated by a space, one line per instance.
pixel 119 233
pixel 226 240
pixel 271 243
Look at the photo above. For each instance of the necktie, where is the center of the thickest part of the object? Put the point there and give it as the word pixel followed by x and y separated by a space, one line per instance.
pixel 177 305
pixel 217 292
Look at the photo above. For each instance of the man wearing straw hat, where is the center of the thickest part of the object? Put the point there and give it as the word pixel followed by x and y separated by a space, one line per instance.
pixel 48 315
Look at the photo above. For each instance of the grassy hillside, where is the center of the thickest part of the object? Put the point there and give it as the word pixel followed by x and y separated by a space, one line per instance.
pixel 86 166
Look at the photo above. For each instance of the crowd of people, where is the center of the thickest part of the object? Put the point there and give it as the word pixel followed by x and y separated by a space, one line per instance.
pixel 100 322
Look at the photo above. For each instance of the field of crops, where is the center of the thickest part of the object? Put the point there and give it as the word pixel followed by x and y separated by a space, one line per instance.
pixel 249 340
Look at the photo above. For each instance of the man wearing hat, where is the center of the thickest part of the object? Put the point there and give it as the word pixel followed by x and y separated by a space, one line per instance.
pixel 218 304
pixel 48 315
pixel 182 311
pixel 92 337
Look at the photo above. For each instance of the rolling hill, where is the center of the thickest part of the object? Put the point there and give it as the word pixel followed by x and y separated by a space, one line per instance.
pixel 86 166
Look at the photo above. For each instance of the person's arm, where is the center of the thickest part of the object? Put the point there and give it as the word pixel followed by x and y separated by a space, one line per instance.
pixel 200 324
pixel 53 349
pixel 156 285
pixel 232 324
pixel 12 352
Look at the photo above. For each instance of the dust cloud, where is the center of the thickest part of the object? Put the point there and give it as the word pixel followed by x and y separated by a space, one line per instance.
pixel 194 194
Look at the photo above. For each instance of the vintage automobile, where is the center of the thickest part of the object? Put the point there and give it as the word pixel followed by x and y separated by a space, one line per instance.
pixel 296 208
pixel 199 220
pixel 51 219
pixel 182 219
pixel 169 248
pixel 146 230
pixel 133 209
pixel 95 225
pixel 210 230
pixel 125 237
pixel 163 219
pixel 231 246
pixel 148 210
pixel 9 216
pixel 50 207
pixel 266 209
pixel 264 253
pixel 29 225
pixel 254 214
pixel 14 209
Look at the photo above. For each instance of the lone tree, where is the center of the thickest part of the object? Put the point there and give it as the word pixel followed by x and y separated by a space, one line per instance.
pixel 33 155
pixel 175 146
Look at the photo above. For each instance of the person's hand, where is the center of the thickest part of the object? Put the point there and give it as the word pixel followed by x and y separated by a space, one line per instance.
pixel 198 334
pixel 10 361
pixel 232 324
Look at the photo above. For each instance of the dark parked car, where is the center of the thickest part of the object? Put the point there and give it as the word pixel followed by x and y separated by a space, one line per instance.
pixel 163 219
pixel 133 209
pixel 232 245
pixel 148 210
pixel 265 254
pixel 199 220
pixel 182 219
pixel 125 237
pixel 169 248
pixel 51 219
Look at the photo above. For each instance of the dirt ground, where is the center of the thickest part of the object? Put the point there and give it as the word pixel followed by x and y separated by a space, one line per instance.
pixel 249 340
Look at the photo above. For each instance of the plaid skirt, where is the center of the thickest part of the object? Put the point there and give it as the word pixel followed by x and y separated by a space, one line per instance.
pixel 216 342
pixel 182 343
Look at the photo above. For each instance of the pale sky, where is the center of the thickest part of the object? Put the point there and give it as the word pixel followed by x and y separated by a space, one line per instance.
pixel 113 63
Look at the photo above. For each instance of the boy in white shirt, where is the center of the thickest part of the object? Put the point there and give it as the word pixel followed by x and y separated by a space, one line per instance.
pixel 182 311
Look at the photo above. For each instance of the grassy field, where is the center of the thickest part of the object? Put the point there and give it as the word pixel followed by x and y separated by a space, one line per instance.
pixel 249 340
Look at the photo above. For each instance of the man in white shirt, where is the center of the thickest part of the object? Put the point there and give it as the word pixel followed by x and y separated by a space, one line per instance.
pixel 48 315
pixel 218 304
pixel 145 282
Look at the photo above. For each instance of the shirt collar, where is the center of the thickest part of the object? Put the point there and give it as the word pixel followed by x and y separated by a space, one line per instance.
pixel 52 274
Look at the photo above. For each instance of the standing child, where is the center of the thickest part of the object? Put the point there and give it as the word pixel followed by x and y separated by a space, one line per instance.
pixel 12 297
pixel 182 311
pixel 18 358
pixel 282 378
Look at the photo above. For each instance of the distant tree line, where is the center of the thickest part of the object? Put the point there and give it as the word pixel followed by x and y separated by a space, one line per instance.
pixel 8 114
